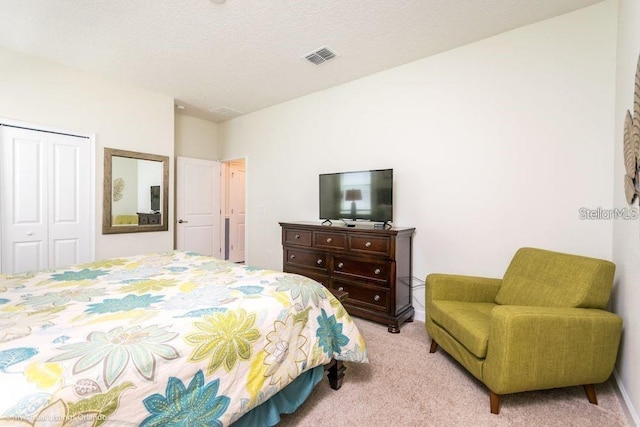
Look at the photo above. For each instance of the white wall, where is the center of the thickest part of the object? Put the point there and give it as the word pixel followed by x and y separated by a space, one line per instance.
pixel 495 145
pixel 626 234
pixel 196 138
pixel 124 117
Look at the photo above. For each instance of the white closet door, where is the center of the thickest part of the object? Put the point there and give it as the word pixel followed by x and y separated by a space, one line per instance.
pixel 44 200
pixel 24 201
pixel 69 200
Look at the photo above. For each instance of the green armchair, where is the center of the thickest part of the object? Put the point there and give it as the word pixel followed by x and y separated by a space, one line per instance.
pixel 544 325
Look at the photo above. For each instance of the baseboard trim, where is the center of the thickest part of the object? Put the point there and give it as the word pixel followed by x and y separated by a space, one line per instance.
pixel 627 405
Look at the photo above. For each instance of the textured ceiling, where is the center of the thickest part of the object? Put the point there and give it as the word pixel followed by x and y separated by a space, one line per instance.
pixel 246 54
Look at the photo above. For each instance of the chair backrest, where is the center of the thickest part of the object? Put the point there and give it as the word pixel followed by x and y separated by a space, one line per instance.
pixel 538 277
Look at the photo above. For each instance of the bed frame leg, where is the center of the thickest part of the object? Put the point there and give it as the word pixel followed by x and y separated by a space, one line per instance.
pixel 335 374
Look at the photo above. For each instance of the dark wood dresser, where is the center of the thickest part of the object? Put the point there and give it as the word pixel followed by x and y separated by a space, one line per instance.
pixel 148 218
pixel 372 265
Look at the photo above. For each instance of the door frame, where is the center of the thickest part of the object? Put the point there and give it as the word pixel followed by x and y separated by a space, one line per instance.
pixel 223 205
pixel 91 140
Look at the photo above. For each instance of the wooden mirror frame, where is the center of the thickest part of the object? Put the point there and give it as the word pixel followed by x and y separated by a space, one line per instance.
pixel 107 217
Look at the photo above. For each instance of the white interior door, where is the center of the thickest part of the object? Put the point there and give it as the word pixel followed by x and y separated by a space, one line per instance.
pixel 69 200
pixel 45 200
pixel 198 206
pixel 236 212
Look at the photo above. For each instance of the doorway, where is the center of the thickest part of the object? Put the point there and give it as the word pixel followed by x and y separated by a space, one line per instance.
pixel 233 210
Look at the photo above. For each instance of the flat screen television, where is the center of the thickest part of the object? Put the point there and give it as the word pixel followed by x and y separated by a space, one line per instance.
pixel 361 195
pixel 155 198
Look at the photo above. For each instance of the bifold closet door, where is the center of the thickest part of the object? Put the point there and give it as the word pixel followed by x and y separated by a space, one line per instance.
pixel 45 203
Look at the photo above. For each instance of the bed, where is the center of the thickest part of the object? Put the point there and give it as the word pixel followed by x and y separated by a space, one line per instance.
pixel 165 339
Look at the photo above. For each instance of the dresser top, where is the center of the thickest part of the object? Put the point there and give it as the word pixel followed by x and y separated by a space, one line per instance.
pixel 340 226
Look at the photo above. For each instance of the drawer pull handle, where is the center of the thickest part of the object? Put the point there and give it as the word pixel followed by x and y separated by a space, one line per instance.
pixel 297 236
pixel 329 239
pixel 292 256
pixel 376 271
pixel 376 298
pixel 340 265
pixel 368 244
pixel 319 262
pixel 341 288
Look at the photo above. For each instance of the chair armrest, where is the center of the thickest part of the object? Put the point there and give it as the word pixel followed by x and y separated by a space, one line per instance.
pixel 533 348
pixel 461 288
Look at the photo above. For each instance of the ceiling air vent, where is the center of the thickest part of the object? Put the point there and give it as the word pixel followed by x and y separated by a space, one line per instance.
pixel 320 56
pixel 226 113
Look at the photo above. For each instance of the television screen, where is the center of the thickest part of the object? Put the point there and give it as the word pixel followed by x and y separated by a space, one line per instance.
pixel 155 198
pixel 365 195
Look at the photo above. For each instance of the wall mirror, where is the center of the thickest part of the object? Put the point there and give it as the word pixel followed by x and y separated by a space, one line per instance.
pixel 136 192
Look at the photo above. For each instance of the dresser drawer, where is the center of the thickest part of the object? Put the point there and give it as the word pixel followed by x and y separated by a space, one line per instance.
pixel 330 240
pixel 380 271
pixel 361 295
pixel 373 245
pixel 297 237
pixel 310 259
pixel 148 219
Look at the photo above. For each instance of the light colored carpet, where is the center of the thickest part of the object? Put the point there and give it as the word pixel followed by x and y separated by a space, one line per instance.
pixel 404 385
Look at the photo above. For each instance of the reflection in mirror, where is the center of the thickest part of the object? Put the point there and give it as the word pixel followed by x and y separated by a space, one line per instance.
pixel 136 192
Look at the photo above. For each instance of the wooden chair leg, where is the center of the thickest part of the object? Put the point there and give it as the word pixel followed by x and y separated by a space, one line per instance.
pixel 434 346
pixel 494 400
pixel 591 393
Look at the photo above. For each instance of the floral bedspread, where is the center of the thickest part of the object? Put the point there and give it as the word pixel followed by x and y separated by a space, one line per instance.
pixel 162 339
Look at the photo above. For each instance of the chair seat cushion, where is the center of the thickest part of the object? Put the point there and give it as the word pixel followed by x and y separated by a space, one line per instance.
pixel 467 322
